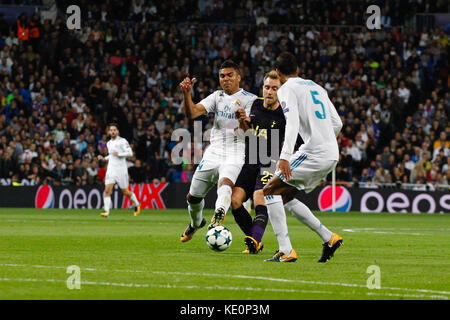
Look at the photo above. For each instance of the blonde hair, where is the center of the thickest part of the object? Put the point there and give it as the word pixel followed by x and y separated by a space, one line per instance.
pixel 272 75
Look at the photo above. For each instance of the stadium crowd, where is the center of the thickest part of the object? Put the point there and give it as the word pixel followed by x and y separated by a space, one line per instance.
pixel 59 88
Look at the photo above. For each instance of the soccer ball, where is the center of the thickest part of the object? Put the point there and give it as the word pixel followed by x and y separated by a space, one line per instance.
pixel 218 238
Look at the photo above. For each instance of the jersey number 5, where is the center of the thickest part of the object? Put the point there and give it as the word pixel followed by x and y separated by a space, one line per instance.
pixel 318 114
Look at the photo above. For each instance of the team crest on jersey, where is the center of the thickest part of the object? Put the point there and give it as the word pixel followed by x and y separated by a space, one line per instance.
pixel 238 103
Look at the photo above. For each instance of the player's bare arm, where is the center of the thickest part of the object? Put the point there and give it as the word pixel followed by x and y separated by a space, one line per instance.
pixel 190 109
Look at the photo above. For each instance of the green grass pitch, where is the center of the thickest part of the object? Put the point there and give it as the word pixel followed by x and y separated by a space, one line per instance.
pixel 127 257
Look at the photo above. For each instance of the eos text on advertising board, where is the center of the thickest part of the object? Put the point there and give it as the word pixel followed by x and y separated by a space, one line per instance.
pixel 68 198
pixel 374 201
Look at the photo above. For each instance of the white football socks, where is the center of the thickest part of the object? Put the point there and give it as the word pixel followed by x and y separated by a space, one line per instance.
pixel 304 215
pixel 223 197
pixel 134 199
pixel 277 218
pixel 107 203
pixel 196 212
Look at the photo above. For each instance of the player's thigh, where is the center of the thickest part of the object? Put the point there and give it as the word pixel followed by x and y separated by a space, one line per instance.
pixel 246 180
pixel 110 181
pixel 262 179
pixel 229 172
pixel 122 180
pixel 308 174
pixel 276 187
pixel 203 181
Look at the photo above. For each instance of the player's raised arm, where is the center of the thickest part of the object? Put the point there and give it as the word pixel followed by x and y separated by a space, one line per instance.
pixel 190 109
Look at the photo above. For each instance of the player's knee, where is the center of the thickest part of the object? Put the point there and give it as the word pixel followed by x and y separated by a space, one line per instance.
pixel 236 202
pixel 288 195
pixel 287 198
pixel 268 189
pixel 225 181
pixel 194 200
pixel 258 197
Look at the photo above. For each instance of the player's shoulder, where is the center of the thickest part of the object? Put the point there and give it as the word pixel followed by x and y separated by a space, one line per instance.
pixel 259 101
pixel 123 140
pixel 308 85
pixel 248 94
pixel 120 139
pixel 215 94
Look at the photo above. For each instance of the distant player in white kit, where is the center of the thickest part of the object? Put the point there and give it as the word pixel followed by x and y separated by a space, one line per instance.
pixel 310 113
pixel 225 156
pixel 117 172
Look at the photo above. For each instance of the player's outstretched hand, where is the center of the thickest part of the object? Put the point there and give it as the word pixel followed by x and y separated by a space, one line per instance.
pixel 187 84
pixel 285 168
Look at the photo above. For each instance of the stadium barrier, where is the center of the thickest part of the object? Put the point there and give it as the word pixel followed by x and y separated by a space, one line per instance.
pixel 173 195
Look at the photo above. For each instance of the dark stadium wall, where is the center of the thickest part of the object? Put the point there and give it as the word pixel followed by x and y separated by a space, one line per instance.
pixel 165 195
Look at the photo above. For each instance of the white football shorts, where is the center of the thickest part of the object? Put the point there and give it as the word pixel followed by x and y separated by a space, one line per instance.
pixel 211 170
pixel 307 171
pixel 119 177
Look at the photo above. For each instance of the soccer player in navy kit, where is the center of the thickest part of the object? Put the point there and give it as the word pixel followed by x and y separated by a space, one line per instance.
pixel 265 121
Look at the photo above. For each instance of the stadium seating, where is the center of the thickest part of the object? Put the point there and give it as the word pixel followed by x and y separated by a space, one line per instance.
pixel 59 89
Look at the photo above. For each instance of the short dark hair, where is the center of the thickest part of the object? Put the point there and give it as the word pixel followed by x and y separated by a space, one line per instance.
pixel 286 63
pixel 113 124
pixel 230 64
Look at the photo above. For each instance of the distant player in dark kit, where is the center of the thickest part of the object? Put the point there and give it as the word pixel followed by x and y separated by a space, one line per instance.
pixel 266 115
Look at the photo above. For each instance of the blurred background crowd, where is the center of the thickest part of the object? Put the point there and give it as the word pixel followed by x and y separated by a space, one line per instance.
pixel 59 88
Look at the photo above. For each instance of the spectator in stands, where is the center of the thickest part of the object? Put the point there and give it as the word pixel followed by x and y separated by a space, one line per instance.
pixel 137 172
pixel 119 67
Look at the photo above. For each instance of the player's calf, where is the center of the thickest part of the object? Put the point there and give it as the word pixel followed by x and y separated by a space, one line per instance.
pixel 195 209
pixel 190 230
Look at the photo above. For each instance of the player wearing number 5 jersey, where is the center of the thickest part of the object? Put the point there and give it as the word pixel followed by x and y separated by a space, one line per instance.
pixel 310 113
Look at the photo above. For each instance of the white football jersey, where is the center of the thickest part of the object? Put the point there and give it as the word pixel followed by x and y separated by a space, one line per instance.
pixel 310 113
pixel 223 133
pixel 122 147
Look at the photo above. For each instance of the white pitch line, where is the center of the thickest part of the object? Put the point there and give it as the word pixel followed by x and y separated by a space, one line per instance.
pixel 384 232
pixel 168 286
pixel 407 295
pixel 300 281
pixel 427 291
pixel 196 287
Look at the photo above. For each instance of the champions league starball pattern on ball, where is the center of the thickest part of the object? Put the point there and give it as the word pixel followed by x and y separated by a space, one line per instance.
pixel 219 238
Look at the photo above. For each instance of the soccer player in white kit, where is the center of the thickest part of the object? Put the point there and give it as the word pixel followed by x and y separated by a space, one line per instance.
pixel 117 172
pixel 225 156
pixel 310 113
